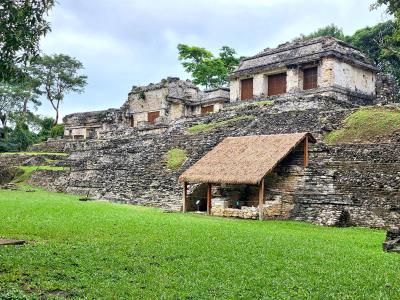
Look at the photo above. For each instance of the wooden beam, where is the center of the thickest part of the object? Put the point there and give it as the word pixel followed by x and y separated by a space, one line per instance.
pixel 185 197
pixel 306 151
pixel 209 196
pixel 261 200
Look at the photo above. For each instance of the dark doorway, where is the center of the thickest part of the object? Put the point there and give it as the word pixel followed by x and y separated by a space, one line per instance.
pixel 310 78
pixel 276 84
pixel 152 116
pixel 207 109
pixel 247 89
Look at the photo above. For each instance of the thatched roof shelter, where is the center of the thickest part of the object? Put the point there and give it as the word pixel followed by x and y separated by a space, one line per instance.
pixel 243 160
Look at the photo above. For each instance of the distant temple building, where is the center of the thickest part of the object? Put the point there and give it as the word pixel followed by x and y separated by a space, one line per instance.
pixel 171 99
pixel 322 66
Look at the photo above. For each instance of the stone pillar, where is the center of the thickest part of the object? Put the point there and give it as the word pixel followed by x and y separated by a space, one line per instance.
pixel 292 80
pixel 325 74
pixel 234 90
pixel 259 85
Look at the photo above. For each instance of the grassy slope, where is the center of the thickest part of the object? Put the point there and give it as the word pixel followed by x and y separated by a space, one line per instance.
pixel 175 158
pixel 28 170
pixel 104 250
pixel 366 125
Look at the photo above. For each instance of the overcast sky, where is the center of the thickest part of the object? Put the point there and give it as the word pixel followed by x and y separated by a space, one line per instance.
pixel 129 42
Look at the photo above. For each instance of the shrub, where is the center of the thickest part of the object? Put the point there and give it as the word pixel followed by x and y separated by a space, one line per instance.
pixel 57 130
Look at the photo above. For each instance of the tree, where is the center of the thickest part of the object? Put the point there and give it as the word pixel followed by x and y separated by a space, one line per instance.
pixel 58 75
pixel 329 30
pixel 14 100
pixel 206 69
pixel 22 23
pixel 378 44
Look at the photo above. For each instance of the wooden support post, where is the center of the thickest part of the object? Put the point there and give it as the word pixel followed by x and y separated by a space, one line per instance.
pixel 261 200
pixel 209 196
pixel 306 151
pixel 185 197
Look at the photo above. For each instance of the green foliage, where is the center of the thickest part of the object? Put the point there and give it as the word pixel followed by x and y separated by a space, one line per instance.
pixel 14 100
pixel 22 25
pixel 142 95
pixel 207 70
pixel 21 137
pixel 329 30
pixel 209 126
pixel 100 250
pixel 57 131
pixel 58 75
pixel 378 43
pixel 175 158
pixel 366 125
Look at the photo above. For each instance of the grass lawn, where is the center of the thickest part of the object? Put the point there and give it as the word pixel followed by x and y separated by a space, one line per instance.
pixel 113 251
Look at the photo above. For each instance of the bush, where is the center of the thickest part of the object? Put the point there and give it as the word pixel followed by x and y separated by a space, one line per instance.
pixel 57 130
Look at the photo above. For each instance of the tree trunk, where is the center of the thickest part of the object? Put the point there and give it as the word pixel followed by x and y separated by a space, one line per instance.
pixel 3 119
pixel 25 108
pixel 56 119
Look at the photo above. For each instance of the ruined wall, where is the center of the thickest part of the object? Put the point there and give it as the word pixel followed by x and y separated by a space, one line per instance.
pixel 360 181
pixel 154 100
pixel 86 125
pixel 353 78
pixel 387 90
pixel 132 167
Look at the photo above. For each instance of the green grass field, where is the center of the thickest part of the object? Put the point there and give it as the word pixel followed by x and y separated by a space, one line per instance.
pixel 113 251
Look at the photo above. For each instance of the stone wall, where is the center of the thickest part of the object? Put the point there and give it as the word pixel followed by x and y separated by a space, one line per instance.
pixel 359 181
pixel 131 167
pixel 387 90
pixel 353 184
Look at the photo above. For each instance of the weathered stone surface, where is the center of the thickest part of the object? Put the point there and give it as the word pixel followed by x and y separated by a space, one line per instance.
pixel 7 174
pixel 392 243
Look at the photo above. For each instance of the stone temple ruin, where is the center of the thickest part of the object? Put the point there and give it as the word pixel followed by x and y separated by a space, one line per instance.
pixel 307 87
pixel 150 107
pixel 323 66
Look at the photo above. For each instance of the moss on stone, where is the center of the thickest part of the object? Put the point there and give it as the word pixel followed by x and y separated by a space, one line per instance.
pixel 264 103
pixel 176 158
pixel 209 126
pixel 35 153
pixel 28 170
pixel 371 124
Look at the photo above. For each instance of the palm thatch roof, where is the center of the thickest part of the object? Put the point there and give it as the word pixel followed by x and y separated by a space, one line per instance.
pixel 243 160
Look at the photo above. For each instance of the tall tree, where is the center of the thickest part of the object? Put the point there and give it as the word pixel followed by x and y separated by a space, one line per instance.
pixel 206 69
pixel 59 75
pixel 13 99
pixel 22 24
